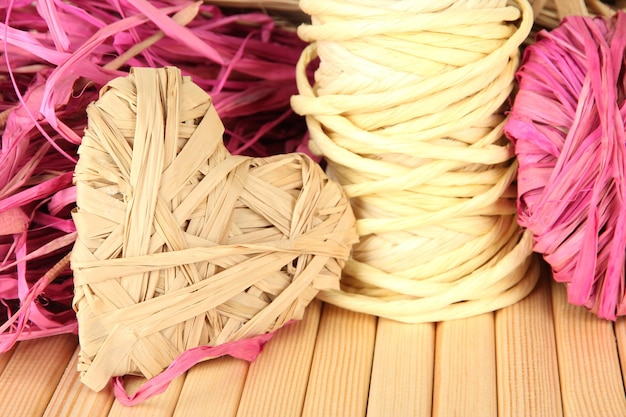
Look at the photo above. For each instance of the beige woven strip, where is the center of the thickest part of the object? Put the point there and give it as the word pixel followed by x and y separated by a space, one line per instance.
pixel 181 244
pixel 571 8
pixel 408 108
pixel 548 13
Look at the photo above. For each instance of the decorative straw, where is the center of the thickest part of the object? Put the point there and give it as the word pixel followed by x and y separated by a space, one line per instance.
pixel 55 57
pixel 408 111
pixel 181 244
pixel 568 124
pixel 549 13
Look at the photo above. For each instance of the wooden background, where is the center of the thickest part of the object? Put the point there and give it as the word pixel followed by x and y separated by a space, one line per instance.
pixel 540 357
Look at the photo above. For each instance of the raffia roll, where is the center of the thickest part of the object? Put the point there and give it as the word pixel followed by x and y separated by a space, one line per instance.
pixel 408 107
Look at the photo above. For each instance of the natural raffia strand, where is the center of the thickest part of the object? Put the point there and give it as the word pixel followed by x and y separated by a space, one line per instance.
pixel 181 244
pixel 408 110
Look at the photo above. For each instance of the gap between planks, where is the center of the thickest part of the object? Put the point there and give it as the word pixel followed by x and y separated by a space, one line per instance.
pixel 273 385
pixel 402 370
pixel 527 364
pixel 465 368
pixel 528 341
pixel 73 399
pixel 341 367
pixel 589 368
pixel 277 381
pixel 32 373
pixel 212 388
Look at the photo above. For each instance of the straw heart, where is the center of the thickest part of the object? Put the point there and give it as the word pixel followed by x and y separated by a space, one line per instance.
pixel 183 245
pixel 46 84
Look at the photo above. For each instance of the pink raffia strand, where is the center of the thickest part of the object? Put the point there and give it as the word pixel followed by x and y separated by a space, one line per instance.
pixel 568 126
pixel 55 56
pixel 245 349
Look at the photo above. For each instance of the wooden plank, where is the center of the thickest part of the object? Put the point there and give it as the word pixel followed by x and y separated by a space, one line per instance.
pixel 212 388
pixel 73 399
pixel 402 370
pixel 341 367
pixel 465 368
pixel 31 375
pixel 591 381
pixel 527 365
pixel 277 380
pixel 161 405
pixel 620 334
pixel 4 359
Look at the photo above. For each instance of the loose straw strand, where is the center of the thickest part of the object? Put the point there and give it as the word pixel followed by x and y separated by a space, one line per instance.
pixel 407 108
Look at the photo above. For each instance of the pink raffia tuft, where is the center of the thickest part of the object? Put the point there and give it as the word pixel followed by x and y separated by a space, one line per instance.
pixel 568 127
pixel 55 55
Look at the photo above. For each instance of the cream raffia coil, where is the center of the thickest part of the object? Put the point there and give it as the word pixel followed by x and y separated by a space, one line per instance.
pixel 407 108
pixel 181 244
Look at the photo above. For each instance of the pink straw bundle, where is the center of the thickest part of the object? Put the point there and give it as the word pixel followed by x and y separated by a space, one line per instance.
pixel 568 126
pixel 55 57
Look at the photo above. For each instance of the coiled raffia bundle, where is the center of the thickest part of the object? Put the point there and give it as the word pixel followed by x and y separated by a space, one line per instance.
pixel 407 108
pixel 568 123
pixel 181 244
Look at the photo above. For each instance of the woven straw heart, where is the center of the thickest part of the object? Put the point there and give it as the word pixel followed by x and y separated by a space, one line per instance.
pixel 181 244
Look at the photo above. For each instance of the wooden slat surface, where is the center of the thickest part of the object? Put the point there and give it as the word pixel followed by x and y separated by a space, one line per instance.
pixel 591 381
pixel 73 399
pixel 403 354
pixel 540 357
pixel 279 390
pixel 527 365
pixel 620 334
pixel 341 367
pixel 465 368
pixel 213 389
pixel 31 375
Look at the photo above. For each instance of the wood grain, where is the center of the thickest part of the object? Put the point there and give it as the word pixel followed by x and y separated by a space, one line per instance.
pixel 620 334
pixel 341 367
pixel 212 388
pixel 73 399
pixel 32 374
pixel 458 358
pixel 591 381
pixel 4 359
pixel 527 366
pixel 277 380
pixel 402 370
pixel 465 368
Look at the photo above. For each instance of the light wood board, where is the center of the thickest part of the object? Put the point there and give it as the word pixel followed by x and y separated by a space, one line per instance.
pixel 540 357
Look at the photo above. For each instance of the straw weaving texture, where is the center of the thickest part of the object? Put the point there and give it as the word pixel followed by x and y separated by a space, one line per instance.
pixel 548 13
pixel 181 244
pixel 408 109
